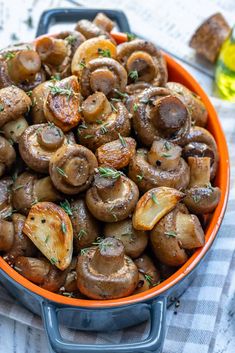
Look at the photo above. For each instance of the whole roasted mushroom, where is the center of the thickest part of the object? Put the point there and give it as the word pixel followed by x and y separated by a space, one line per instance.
pixel 194 103
pixel 101 124
pixel 107 265
pixel 28 190
pixel 113 196
pixel 14 102
pixel 143 62
pixel 7 155
pixel 201 197
pixel 162 165
pixel 134 241
pixel 15 128
pixel 5 197
pixel 38 143
pixel 62 103
pixel 13 241
pixel 85 227
pixel 149 275
pixel 159 113
pixel 175 233
pixel 200 143
pixel 72 168
pixel 104 75
pixel 20 67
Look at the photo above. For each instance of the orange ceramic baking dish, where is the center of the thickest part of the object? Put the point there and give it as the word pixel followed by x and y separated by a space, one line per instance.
pixel 119 313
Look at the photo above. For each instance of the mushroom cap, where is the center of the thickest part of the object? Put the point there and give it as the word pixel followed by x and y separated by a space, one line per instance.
pixel 134 241
pixel 201 200
pixel 38 97
pixel 5 197
pixel 72 168
pixel 146 266
pixel 120 204
pixel 38 143
pixel 116 273
pixel 7 154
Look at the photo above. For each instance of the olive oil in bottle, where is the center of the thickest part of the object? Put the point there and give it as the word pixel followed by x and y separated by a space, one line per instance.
pixel 225 69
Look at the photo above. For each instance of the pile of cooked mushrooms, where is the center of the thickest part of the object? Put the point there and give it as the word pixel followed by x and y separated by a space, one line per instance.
pixel 106 168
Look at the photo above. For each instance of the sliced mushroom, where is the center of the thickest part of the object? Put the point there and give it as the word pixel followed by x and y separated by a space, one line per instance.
pixel 38 96
pixel 201 197
pixel 116 154
pixel 113 196
pixel 15 128
pixel 38 143
pixel 149 275
pixel 50 229
pixel 194 103
pixel 72 168
pixel 158 113
pixel 28 190
pixel 171 236
pixel 104 75
pixel 61 106
pixel 7 155
pixel 134 241
pixel 162 165
pixel 143 58
pixel 14 102
pixel 91 49
pixel 154 205
pixel 5 197
pixel 85 227
pixel 101 124
pixel 107 265
pixel 200 143
pixel 13 241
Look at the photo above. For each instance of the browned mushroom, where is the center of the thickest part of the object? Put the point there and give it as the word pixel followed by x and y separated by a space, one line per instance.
pixel 12 239
pixel 38 143
pixel 41 272
pixel 22 67
pixel 101 124
pixel 91 49
pixel 106 265
pixel 201 197
pixel 143 62
pixel 61 105
pixel 175 232
pixel 194 103
pixel 28 190
pixel 116 154
pixel 162 165
pixel 113 196
pixel 72 168
pixel 149 275
pixel 134 241
pixel 70 283
pixel 14 102
pixel 85 227
pixel 7 155
pixel 5 197
pixel 38 97
pixel 200 143
pixel 104 75
pixel 104 22
pixel 89 29
pixel 158 113
pixel 15 128
pixel 51 50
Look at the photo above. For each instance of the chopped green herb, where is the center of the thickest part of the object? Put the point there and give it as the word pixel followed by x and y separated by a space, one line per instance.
pixel 145 100
pixel 139 177
pixel 135 107
pixel 1 107
pixel 149 279
pixel 82 64
pixel 113 107
pixel 11 141
pixel 104 52
pixel 166 155
pixel 154 198
pixel 47 238
pixel 130 36
pixel 167 145
pixel 81 234
pixel 18 187
pixel 56 77
pixel 98 121
pixel 123 142
pixel 103 129
pixel 88 136
pixel 107 172
pixel 66 206
pixel 82 127
pixel 64 91
pixel 116 99
pixel 53 261
pixel 34 202
pixel 209 186
pixel 121 94
pixel 67 294
pixel 9 55
pixel 196 198
pixel 114 216
pixel 61 172
pixel 71 39
pixel 84 251
pixel 133 75
pixel 171 234
pixel 29 93
pixel 63 227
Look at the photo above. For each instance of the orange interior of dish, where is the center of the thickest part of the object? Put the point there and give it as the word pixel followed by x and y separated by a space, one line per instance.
pixel 178 74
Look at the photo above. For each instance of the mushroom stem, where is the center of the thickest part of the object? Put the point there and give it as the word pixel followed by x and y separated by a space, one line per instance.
pixel 24 65
pixel 45 191
pixel 95 107
pixel 108 188
pixel 51 51
pixel 199 171
pixel 6 235
pixel 108 257
pixel 164 154
pixel 189 231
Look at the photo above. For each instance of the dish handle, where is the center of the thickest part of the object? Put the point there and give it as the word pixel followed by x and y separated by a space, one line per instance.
pixel 153 343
